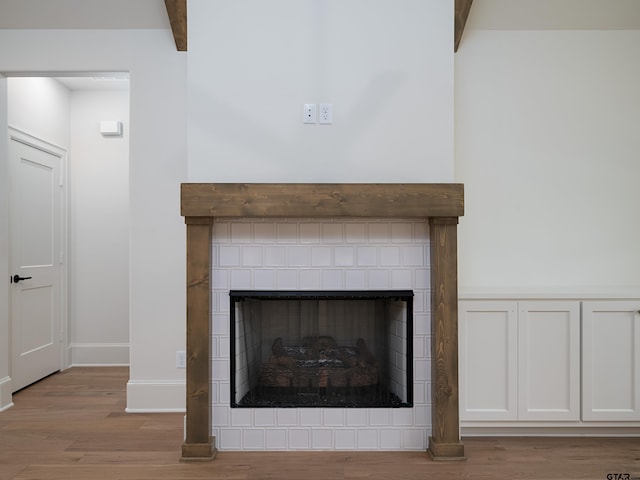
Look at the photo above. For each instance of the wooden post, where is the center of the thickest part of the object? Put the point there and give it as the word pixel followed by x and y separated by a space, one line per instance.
pixel 444 443
pixel 462 9
pixel 177 12
pixel 199 443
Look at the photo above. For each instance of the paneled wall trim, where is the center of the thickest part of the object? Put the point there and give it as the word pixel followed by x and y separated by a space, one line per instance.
pixel 442 204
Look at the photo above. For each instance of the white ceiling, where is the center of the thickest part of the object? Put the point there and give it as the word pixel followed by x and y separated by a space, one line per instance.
pixel 83 14
pixel 485 14
pixel 554 15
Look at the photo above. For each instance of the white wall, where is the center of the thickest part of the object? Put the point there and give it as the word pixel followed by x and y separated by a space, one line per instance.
pixel 99 230
pixel 386 66
pixel 157 166
pixel 547 146
pixel 40 107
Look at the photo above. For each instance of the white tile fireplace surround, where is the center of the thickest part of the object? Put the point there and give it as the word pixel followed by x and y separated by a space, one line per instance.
pixel 325 254
pixel 316 236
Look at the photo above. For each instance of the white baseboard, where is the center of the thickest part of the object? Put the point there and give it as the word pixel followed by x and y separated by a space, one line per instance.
pixel 98 354
pixel 581 429
pixel 6 401
pixel 144 396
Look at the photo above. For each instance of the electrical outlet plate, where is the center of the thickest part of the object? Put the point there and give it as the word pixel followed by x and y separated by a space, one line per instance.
pixel 309 113
pixel 181 359
pixel 325 116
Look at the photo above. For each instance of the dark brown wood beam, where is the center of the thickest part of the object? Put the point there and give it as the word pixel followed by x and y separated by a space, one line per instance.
pixel 177 11
pixel 199 445
pixel 322 200
pixel 463 7
pixel 444 442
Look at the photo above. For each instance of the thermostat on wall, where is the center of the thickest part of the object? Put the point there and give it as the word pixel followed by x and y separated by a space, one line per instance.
pixel 110 128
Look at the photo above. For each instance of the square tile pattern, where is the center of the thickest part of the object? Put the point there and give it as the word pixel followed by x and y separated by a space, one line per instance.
pixel 326 254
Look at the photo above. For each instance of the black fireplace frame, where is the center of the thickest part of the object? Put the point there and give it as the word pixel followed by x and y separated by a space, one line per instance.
pixel 267 295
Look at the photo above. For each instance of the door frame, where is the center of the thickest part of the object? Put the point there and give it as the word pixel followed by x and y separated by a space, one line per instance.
pixel 15 134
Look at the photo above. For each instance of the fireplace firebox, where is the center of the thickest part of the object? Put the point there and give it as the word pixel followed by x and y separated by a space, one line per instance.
pixel 321 348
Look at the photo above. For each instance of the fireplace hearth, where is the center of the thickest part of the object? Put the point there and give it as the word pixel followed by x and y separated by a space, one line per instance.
pixel 321 349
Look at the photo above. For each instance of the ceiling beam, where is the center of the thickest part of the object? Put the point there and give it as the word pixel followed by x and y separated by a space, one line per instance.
pixel 177 11
pixel 463 7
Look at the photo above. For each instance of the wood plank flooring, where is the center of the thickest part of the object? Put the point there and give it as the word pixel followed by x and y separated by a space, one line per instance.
pixel 72 426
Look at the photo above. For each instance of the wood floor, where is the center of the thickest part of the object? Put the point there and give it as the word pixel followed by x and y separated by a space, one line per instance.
pixel 72 426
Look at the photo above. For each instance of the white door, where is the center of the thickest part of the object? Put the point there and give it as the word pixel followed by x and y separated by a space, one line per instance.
pixel 488 346
pixel 611 360
pixel 36 249
pixel 549 360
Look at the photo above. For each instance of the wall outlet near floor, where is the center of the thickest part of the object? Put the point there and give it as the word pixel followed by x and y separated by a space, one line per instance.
pixel 181 359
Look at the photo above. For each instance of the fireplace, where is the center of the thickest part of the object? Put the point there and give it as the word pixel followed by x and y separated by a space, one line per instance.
pixel 317 349
pixel 206 208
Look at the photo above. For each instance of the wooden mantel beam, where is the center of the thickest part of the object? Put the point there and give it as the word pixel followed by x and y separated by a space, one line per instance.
pixel 177 11
pixel 463 7
pixel 305 200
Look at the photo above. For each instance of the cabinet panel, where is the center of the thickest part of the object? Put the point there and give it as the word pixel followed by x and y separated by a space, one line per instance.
pixel 549 360
pixel 611 369
pixel 488 360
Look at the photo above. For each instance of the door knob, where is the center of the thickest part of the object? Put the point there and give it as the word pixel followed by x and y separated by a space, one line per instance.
pixel 17 278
